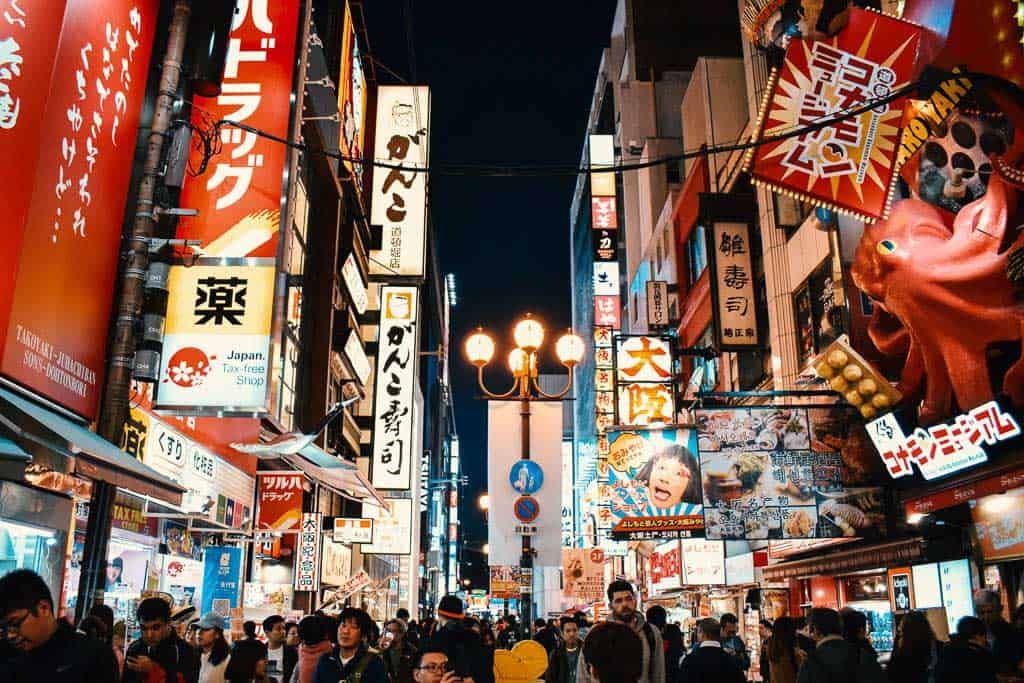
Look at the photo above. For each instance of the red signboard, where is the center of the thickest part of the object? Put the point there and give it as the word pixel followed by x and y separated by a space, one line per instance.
pixel 961 494
pixel 239 196
pixel 76 155
pixel 280 501
pixel 602 213
pixel 849 164
pixel 607 311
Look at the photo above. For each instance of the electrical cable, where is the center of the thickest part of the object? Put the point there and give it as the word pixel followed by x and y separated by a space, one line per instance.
pixel 210 145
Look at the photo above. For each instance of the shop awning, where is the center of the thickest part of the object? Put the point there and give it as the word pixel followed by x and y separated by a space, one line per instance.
pixel 93 456
pixel 12 451
pixel 893 554
pixel 335 474
pixel 985 481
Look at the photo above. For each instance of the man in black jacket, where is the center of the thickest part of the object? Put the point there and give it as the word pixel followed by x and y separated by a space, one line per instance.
pixel 396 650
pixel 1005 643
pixel 160 651
pixel 41 647
pixel 546 636
pixel 967 658
pixel 710 662
pixel 281 658
pixel 351 659
pixel 565 658
pixel 835 660
pixel 465 653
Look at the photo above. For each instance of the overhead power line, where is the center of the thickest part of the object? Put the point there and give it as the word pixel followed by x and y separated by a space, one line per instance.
pixel 575 169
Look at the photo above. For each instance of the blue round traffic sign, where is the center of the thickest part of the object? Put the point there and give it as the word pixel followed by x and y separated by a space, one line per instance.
pixel 526 509
pixel 526 477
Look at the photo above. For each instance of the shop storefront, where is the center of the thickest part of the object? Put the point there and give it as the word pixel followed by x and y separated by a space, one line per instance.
pixel 34 526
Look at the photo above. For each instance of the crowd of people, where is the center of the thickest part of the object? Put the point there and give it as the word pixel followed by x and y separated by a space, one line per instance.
pixel 827 646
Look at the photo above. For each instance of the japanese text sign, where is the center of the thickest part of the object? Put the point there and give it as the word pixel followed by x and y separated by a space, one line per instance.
pixel 354 284
pixel 848 164
pixel 392 529
pixel 397 360
pixel 239 197
pixel 222 574
pixel 602 155
pixel 307 557
pixel 216 354
pixel 606 247
pixel 399 198
pixel 69 114
pixel 352 98
pixel 643 380
pixel 602 213
pixel 772 472
pixel 657 303
pixel 734 300
pixel 653 484
pixel 703 563
pixel 583 574
pixel 606 278
pixel 666 566
pixel 999 523
pixel 353 530
pixel 280 501
pixel 607 311
pixel 504 582
pixel 944 448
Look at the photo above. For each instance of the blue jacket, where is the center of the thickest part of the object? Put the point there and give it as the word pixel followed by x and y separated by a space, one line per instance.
pixel 330 670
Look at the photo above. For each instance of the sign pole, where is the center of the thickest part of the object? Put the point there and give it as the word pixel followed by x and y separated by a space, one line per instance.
pixel 526 561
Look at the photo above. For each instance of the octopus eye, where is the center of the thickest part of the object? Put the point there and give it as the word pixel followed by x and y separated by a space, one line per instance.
pixel 886 247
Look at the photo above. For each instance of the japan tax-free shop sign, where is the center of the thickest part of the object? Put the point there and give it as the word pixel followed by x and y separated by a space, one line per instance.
pixel 70 102
pixel 216 355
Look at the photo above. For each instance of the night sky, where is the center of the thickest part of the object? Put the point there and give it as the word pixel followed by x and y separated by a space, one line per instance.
pixel 507 85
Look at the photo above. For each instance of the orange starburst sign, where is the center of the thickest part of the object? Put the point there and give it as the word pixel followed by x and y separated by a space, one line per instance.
pixel 847 165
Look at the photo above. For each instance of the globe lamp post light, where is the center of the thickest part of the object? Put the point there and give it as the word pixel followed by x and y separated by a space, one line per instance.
pixel 522 361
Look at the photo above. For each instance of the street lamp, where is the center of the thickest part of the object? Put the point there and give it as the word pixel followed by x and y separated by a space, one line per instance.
pixel 484 503
pixel 522 361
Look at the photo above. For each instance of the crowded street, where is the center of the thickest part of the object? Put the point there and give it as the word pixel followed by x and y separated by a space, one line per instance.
pixel 589 341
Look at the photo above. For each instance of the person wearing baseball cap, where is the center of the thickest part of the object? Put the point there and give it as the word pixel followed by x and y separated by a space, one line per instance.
pixel 214 651
pixel 466 654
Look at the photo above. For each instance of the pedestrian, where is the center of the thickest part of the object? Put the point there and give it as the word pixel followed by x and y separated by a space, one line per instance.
pixel 160 655
pixel 967 658
pixel 782 655
pixel 39 646
pixel 732 643
pixel 510 634
pixel 106 615
pixel 855 629
pixel 465 653
pixel 657 617
pixel 612 653
pixel 675 650
pixel 803 636
pixel 564 659
pixel 1006 645
pixel 710 662
pixel 834 660
pixel 313 644
pixel 292 639
pixel 214 651
pixel 432 666
pixel 764 632
pixel 545 635
pixel 281 657
pixel 622 601
pixel 351 659
pixel 915 652
pixel 248 662
pixel 396 650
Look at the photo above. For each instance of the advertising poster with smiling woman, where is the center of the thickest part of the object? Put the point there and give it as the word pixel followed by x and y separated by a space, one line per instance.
pixel 654 484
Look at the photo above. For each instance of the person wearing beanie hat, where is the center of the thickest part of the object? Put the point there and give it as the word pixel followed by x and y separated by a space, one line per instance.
pixel 466 654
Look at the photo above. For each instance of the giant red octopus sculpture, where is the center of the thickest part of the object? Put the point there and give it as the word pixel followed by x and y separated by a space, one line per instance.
pixel 942 298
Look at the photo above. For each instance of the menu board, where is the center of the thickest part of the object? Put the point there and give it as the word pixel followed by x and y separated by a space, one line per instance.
pixel 999 522
pixel 955 577
pixel 773 472
pixel 927 589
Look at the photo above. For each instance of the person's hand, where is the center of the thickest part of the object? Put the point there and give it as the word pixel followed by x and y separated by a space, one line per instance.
pixel 450 677
pixel 141 664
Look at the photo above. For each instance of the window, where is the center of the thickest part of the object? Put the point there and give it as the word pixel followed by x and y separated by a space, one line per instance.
pixel 673 172
pixel 710 379
pixel 661 255
pixel 696 253
pixel 636 307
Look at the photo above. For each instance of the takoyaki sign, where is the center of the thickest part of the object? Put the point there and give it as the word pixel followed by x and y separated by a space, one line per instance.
pixel 654 484
pixel 771 472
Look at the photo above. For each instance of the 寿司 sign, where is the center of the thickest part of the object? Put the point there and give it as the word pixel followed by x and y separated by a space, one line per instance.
pixel 943 448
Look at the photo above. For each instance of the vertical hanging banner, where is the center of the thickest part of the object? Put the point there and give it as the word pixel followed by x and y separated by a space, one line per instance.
pixel 216 355
pixel 607 311
pixel 733 287
pixel 850 164
pixel 70 102
pixel 352 99
pixel 392 463
pixel 657 303
pixel 399 198
pixel 583 574
pixel 602 184
pixel 239 196
pixel 643 380
pixel 307 558
pixel 222 572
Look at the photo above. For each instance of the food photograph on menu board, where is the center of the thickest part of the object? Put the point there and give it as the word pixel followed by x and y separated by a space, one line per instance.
pixel 654 484
pixel 774 472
